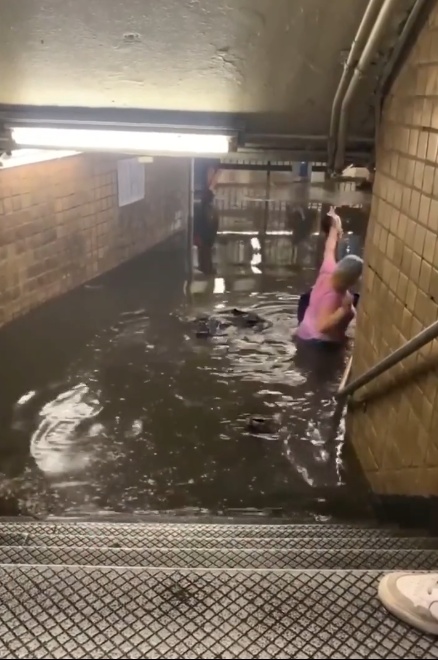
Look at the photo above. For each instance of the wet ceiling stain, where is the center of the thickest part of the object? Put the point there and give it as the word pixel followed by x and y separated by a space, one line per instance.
pixel 132 37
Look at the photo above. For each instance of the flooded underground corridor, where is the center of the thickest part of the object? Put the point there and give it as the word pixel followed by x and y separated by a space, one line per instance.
pixel 112 402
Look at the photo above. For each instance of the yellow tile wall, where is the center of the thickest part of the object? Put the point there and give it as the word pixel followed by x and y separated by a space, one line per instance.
pixel 395 429
pixel 60 224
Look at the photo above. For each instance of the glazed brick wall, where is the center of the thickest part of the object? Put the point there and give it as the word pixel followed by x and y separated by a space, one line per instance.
pixel 395 428
pixel 60 224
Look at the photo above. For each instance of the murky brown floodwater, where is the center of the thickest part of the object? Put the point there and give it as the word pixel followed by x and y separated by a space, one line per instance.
pixel 110 403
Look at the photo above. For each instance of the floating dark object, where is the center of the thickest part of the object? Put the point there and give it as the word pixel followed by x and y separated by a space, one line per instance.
pixel 210 327
pixel 216 326
pixel 248 319
pixel 204 328
pixel 252 319
pixel 258 424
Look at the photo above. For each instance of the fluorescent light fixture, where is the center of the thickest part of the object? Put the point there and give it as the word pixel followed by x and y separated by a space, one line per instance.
pixel 31 156
pixel 121 141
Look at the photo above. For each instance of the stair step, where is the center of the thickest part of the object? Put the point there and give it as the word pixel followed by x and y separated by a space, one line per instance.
pixel 188 535
pixel 77 612
pixel 402 559
pixel 143 540
pixel 197 530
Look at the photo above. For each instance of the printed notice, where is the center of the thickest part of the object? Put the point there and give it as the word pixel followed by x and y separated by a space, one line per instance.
pixel 131 181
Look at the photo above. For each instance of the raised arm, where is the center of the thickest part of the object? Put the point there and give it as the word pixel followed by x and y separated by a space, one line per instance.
pixel 333 236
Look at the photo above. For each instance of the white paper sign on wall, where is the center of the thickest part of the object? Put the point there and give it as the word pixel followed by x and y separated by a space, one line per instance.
pixel 131 181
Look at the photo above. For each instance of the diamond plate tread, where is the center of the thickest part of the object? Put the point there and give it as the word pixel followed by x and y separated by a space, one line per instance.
pixel 225 559
pixel 37 537
pixel 83 612
pixel 198 530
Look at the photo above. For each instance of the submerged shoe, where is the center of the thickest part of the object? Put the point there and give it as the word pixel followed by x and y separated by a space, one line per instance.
pixel 413 598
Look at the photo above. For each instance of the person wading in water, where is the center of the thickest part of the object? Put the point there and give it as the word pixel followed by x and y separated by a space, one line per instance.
pixel 331 305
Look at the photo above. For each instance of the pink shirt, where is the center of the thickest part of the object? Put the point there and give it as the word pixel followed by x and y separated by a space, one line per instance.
pixel 323 295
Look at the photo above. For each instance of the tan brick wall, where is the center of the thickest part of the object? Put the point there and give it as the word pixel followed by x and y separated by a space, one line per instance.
pixel 395 432
pixel 60 224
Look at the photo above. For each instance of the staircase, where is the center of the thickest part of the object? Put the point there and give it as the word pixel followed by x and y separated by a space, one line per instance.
pixel 151 590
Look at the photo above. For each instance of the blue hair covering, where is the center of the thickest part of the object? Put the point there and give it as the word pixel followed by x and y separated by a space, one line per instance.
pixel 350 265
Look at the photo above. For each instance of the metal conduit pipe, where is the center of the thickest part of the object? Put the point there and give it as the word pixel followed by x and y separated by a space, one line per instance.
pixel 299 137
pixel 391 65
pixel 360 69
pixel 311 154
pixel 357 46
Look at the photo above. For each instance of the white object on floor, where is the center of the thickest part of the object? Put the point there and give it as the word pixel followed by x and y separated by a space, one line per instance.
pixel 413 598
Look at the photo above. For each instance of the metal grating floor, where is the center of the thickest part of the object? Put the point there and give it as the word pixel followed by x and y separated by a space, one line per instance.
pixel 146 590
pixel 174 531
pixel 221 558
pixel 101 612
pixel 211 543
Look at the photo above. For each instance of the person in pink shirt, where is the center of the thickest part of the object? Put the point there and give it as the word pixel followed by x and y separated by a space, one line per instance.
pixel 331 308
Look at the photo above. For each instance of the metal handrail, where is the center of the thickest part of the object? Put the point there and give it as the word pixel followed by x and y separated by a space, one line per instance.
pixel 424 337
pixel 346 374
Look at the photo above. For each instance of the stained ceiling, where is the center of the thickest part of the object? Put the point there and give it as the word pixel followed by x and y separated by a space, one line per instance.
pixel 276 63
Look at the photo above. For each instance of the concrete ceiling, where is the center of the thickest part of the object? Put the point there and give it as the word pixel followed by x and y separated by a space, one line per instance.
pixel 275 62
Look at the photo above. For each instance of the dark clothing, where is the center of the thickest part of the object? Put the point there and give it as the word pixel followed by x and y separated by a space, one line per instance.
pixel 205 226
pixel 205 259
pixel 206 220
pixel 206 223
pixel 203 169
pixel 303 304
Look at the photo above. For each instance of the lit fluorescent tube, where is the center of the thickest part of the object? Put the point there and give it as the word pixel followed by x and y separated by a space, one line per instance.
pixel 31 156
pixel 123 141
